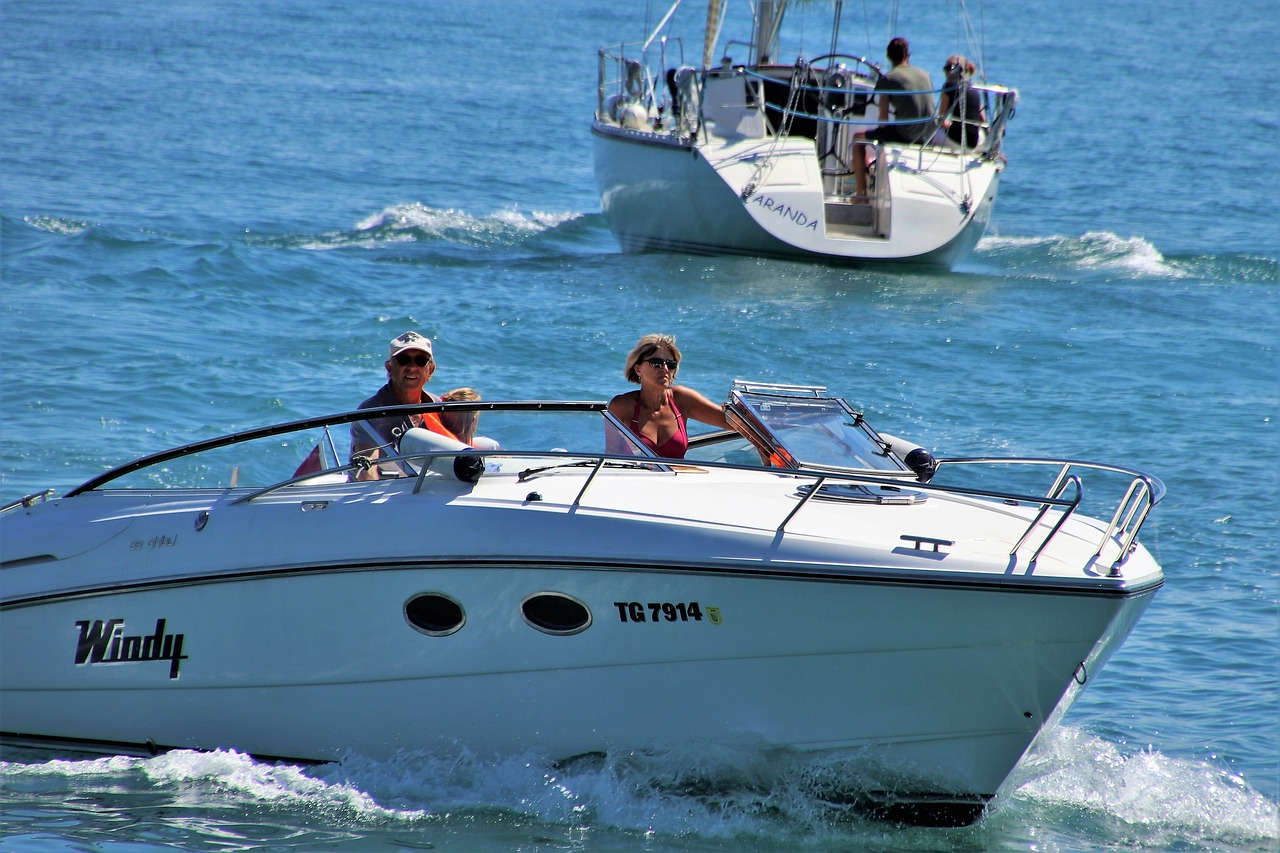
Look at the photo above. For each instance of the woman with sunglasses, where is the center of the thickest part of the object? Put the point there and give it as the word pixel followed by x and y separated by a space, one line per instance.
pixel 959 104
pixel 409 366
pixel 657 412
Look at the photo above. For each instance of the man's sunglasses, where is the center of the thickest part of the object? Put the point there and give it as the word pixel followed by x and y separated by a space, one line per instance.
pixel 421 360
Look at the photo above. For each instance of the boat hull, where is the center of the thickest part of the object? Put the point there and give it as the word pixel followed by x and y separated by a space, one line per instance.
pixel 767 198
pixel 933 692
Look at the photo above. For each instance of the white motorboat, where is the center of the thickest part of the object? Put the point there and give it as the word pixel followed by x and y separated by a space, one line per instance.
pixel 746 155
pixel 804 583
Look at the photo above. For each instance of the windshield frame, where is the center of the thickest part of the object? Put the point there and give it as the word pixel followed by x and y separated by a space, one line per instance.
pixel 760 412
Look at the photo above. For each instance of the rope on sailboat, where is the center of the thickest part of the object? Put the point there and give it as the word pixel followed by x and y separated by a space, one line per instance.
pixel 799 73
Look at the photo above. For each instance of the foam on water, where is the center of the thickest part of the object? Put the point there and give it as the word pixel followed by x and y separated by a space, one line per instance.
pixel 57 225
pixel 1143 796
pixel 1091 790
pixel 202 779
pixel 1091 253
pixel 418 222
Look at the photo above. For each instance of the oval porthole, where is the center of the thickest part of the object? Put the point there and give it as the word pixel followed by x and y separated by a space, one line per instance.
pixel 434 614
pixel 555 613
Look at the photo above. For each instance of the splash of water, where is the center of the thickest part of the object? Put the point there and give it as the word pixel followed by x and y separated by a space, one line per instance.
pixel 1093 252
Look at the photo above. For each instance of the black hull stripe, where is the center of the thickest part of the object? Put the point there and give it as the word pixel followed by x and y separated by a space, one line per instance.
pixel 883 577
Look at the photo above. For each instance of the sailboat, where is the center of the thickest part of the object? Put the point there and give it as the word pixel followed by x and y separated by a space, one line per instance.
pixel 748 155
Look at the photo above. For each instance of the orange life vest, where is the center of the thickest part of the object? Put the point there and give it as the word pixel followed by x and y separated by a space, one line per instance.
pixel 431 421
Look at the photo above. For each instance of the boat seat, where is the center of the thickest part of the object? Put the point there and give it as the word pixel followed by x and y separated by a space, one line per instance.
pixel 944 141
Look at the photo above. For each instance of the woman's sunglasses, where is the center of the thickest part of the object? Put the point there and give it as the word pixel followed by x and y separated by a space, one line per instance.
pixel 668 363
pixel 421 360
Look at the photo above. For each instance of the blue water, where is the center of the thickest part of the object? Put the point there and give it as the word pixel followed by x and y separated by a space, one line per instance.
pixel 215 214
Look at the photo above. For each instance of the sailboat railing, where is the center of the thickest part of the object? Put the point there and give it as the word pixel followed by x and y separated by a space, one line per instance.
pixel 614 75
pixel 999 103
pixel 625 77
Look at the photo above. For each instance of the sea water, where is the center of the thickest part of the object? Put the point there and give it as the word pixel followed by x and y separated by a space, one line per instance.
pixel 215 215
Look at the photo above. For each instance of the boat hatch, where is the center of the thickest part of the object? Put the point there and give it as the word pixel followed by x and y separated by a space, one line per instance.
pixel 858 493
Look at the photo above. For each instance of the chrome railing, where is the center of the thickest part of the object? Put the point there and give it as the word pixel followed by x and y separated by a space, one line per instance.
pixel 1141 495
pixel 999 103
pixel 28 500
pixel 1054 506
pixel 624 70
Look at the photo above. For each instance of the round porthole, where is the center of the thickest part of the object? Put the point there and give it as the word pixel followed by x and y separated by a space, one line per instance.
pixel 555 613
pixel 434 614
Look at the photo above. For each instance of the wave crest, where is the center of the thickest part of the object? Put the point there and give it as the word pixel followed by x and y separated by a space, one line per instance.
pixel 1074 790
pixel 1092 252
pixel 418 223
pixel 1147 797
pixel 58 224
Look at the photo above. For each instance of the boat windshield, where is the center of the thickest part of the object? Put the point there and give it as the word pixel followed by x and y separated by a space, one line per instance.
pixel 262 457
pixel 801 427
pixel 788 427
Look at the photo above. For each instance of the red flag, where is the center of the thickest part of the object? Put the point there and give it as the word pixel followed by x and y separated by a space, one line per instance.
pixel 312 464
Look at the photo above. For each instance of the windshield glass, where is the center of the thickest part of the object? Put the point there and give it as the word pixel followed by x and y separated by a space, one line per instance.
pixel 821 431
pixel 247 460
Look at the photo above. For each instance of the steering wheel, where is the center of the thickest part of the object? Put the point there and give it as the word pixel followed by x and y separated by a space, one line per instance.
pixel 839 95
pixel 872 72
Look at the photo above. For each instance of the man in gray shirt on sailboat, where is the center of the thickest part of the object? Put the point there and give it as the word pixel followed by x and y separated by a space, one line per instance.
pixel 913 111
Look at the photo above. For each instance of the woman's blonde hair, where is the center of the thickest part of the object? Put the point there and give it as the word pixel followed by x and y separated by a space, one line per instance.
pixel 646 347
pixel 461 424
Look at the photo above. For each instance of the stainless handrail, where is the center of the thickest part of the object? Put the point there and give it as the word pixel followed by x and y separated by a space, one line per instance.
pixel 1140 497
pixel 422 462
pixel 808 496
pixel 1055 491
pixel 597 461
pixel 1062 519
pixel 617 55
pixel 1002 99
pixel 28 500
pixel 1138 502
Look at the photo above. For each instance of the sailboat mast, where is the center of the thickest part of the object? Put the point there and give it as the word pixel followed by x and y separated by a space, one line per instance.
pixel 768 23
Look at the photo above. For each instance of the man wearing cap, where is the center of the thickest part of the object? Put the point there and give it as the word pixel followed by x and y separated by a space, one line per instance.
pixel 409 365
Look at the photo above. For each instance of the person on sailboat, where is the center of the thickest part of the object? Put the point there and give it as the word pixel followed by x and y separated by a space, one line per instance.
pixel 912 110
pixel 658 413
pixel 959 104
